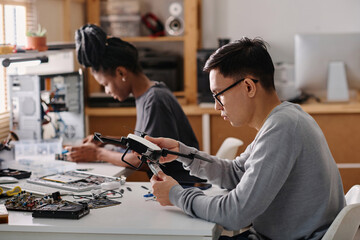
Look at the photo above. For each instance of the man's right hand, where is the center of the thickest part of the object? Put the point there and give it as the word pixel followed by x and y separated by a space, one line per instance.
pixel 167 143
pixel 85 153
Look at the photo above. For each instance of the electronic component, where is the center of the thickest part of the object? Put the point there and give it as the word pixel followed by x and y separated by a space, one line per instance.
pixel 18 174
pixel 155 168
pixel 100 203
pixel 49 206
pixel 4 179
pixel 75 181
pixel 110 185
pixel 47 106
pixel 61 209
pixel 26 201
pixel 98 199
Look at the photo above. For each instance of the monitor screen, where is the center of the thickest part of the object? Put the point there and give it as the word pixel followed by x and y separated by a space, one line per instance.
pixel 314 53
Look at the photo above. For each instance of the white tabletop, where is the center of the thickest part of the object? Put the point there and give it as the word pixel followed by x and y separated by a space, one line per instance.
pixel 134 218
pixel 106 169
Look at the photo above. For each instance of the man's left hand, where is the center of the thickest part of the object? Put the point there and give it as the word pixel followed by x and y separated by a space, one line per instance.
pixel 161 185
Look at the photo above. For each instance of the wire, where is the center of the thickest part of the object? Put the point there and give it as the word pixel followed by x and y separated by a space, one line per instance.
pixel 105 194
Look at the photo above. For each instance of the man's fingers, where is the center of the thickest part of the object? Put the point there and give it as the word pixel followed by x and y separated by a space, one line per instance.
pixel 153 140
pixel 161 175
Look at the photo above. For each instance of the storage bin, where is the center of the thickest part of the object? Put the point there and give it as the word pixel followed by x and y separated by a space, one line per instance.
pixel 120 7
pixel 121 26
pixel 37 149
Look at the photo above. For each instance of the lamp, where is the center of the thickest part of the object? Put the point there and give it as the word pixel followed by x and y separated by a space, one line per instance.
pixel 36 60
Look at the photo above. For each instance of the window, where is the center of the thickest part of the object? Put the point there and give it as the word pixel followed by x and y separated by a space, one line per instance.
pixel 14 25
pixel 16 16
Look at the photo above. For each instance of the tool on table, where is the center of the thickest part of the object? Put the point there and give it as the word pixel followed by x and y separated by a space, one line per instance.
pixel 16 190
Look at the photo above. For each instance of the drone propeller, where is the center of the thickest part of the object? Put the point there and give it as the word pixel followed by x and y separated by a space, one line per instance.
pixel 142 134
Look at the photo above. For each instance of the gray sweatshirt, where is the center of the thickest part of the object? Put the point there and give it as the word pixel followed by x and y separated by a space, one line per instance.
pixel 286 183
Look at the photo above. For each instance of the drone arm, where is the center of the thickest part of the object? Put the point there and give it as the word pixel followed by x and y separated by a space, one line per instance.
pixel 98 137
pixel 189 156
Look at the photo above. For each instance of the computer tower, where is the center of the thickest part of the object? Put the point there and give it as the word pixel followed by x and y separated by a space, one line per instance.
pixel 204 93
pixel 47 106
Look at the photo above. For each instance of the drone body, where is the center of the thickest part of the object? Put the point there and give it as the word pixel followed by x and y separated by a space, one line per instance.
pixel 150 152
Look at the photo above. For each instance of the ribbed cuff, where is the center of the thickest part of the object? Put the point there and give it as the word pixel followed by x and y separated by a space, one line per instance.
pixel 175 194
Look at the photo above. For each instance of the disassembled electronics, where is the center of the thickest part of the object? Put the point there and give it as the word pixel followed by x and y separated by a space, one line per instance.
pixel 26 202
pixel 49 206
pixel 19 174
pixel 47 106
pixel 100 199
pixel 4 179
pixel 75 181
pixel 61 209
pixel 100 203
pixel 110 185
pixel 150 152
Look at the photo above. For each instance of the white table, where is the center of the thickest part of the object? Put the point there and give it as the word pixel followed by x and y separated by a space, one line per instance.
pixel 134 218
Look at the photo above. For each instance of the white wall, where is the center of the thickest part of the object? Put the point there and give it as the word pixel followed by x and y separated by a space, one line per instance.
pixel 276 21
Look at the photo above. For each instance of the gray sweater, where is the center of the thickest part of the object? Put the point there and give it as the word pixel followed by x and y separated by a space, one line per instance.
pixel 286 183
pixel 159 114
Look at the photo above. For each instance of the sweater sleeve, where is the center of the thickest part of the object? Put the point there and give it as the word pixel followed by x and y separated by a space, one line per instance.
pixel 257 176
pixel 213 172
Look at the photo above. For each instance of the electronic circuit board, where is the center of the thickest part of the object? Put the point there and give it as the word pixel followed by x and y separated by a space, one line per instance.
pixel 73 180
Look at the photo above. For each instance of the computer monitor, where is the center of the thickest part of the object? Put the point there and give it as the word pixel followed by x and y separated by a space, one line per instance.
pixel 327 65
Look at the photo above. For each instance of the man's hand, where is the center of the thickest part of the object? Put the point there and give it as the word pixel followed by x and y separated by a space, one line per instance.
pixel 168 143
pixel 161 186
pixel 85 153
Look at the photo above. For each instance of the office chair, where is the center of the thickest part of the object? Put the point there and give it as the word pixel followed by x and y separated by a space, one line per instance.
pixel 353 195
pixel 347 222
pixel 229 148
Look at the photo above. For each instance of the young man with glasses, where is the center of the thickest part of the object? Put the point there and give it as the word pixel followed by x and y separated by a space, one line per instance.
pixel 286 184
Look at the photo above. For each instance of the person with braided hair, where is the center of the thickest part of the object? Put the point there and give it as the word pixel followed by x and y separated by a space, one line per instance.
pixel 114 64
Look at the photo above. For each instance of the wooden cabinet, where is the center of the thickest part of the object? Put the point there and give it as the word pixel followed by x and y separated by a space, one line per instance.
pixel 189 41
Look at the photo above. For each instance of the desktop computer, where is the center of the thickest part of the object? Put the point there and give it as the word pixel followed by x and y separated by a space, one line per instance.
pixel 203 85
pixel 47 106
pixel 327 64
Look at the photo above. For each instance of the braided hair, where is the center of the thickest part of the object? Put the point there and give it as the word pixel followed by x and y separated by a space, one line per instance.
pixel 95 50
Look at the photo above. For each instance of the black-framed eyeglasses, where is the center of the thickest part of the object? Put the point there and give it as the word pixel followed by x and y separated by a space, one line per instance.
pixel 215 96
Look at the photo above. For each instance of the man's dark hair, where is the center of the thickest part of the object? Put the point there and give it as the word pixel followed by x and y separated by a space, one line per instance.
pixel 244 57
pixel 95 50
